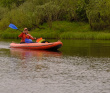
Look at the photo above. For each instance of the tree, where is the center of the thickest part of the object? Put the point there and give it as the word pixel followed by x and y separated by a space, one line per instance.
pixel 8 3
pixel 98 14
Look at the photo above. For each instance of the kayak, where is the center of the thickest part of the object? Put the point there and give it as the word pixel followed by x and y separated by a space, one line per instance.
pixel 38 46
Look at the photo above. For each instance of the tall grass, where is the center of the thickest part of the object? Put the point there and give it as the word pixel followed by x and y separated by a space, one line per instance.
pixel 86 35
pixel 60 30
pixel 9 34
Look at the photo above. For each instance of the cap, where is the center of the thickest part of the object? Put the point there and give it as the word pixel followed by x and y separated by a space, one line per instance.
pixel 25 29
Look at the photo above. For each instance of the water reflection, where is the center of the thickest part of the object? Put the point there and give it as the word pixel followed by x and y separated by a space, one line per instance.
pixel 29 60
pixel 39 54
pixel 89 48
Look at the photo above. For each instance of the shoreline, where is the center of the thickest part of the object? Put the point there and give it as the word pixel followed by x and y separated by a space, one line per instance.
pixel 68 35
pixel 61 30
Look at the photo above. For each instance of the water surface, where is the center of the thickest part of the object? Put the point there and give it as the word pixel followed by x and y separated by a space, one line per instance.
pixel 80 66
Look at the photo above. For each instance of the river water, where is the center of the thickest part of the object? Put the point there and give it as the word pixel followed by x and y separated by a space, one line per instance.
pixel 80 66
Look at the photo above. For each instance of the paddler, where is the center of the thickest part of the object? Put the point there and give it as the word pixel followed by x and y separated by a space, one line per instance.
pixel 25 35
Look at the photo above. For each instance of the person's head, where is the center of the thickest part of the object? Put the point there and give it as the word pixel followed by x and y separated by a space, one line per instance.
pixel 25 30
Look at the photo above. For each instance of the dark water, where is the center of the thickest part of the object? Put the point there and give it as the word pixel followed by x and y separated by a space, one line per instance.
pixel 80 66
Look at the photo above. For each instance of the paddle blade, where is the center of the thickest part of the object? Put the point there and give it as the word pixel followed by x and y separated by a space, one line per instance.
pixel 13 26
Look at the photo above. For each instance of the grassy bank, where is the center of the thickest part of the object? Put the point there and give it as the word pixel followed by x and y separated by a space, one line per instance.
pixel 60 30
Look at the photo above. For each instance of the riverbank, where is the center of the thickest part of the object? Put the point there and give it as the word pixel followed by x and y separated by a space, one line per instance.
pixel 60 30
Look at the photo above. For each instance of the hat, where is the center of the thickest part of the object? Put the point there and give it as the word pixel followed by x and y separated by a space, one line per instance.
pixel 25 29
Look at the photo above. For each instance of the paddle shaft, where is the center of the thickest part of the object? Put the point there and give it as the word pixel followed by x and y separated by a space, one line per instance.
pixel 19 30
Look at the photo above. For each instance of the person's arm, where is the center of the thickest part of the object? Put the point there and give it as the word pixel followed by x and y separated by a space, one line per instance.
pixel 31 37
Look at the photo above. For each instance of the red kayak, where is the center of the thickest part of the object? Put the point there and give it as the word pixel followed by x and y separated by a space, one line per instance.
pixel 38 46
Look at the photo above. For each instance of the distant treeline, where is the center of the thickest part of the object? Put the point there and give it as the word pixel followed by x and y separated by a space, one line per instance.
pixel 32 13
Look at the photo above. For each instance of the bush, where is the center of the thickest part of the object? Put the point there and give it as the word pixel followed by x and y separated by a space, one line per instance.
pixel 33 13
pixel 98 14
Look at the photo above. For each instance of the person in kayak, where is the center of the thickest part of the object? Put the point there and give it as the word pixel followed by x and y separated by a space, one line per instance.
pixel 24 35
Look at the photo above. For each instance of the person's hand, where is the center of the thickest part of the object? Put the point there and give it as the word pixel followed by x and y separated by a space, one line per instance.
pixel 35 38
pixel 24 32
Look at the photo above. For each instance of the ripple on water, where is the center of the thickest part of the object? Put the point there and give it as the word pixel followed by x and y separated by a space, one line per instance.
pixel 4 45
pixel 54 75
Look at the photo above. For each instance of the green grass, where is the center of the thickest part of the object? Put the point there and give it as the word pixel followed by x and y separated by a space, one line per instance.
pixel 9 34
pixel 60 30
pixel 85 35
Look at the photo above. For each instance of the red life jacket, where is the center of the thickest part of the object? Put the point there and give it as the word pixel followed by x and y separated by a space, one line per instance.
pixel 23 36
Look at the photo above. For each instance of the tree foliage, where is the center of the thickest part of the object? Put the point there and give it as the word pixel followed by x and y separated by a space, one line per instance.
pixel 98 14
pixel 32 13
pixel 9 3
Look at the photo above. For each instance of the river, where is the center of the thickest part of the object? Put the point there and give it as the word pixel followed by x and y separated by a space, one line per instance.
pixel 80 66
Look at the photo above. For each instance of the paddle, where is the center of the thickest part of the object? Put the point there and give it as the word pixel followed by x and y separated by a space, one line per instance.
pixel 27 40
pixel 13 26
